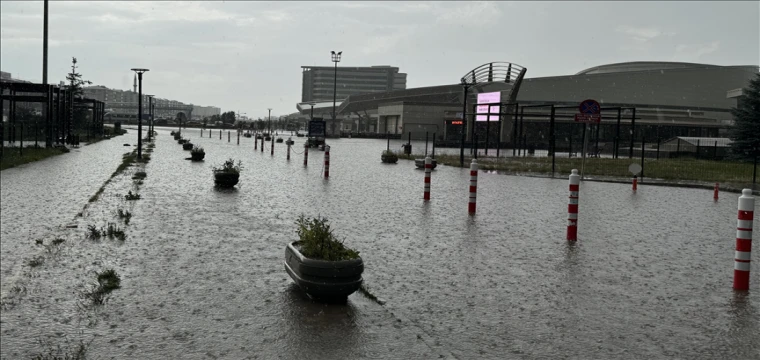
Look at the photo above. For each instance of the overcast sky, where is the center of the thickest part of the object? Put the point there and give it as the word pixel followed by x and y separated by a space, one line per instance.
pixel 247 55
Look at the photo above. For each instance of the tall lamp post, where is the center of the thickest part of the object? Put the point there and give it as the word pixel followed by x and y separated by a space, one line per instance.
pixel 336 60
pixel 150 115
pixel 139 111
pixel 270 121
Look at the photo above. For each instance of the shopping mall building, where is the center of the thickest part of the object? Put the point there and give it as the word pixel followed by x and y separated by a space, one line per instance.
pixel 664 99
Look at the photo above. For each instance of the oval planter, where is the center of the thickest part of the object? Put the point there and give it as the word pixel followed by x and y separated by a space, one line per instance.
pixel 420 163
pixel 323 279
pixel 225 179
pixel 196 156
pixel 267 138
pixel 279 140
pixel 177 136
pixel 187 146
pixel 389 159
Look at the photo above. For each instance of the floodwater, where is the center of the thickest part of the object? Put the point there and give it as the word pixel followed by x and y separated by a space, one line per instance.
pixel 202 269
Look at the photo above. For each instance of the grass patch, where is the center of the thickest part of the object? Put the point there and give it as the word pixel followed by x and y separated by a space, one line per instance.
pixel 114 231
pixel 93 233
pixel 124 215
pixel 35 262
pixel 126 161
pixel 95 197
pixel 11 157
pixel 667 169
pixel 140 175
pixel 318 242
pixel 75 352
pixel 130 196
pixel 108 281
pixel 58 241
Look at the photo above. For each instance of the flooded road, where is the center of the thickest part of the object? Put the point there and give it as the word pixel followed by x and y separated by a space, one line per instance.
pixel 40 197
pixel 202 273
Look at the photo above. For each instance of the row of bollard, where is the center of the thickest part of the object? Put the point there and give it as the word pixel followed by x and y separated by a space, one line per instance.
pixel 745 217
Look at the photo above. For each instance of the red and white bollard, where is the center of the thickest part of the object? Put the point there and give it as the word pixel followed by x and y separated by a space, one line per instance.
pixel 272 147
pixel 743 240
pixel 288 158
pixel 572 206
pixel 327 161
pixel 473 186
pixel 305 154
pixel 428 172
pixel 635 182
pixel 716 189
pixel 262 144
pixel 255 143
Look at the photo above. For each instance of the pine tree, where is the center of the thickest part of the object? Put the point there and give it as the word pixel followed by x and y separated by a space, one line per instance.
pixel 746 130
pixel 75 80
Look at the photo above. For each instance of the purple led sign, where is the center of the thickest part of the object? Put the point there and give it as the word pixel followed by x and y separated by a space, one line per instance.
pixel 488 98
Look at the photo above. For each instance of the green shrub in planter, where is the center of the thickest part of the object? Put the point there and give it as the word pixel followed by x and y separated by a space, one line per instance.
pixel 197 153
pixel 228 174
pixel 389 157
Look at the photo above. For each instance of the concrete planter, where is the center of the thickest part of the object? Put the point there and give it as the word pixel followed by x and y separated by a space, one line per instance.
pixel 420 163
pixel 389 158
pixel 187 146
pixel 323 279
pixel 226 179
pixel 196 156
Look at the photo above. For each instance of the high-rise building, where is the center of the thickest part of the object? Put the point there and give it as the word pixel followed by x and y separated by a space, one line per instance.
pixel 318 81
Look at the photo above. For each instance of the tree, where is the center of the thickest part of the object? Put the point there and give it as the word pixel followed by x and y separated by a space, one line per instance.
pixel 75 80
pixel 75 85
pixel 746 130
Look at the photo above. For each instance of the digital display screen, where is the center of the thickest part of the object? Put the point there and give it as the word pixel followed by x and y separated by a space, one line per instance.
pixel 488 98
pixel 483 109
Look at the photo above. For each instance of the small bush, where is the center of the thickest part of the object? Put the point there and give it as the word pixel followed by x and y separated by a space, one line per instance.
pixel 197 150
pixel 109 280
pixel 139 175
pixel 35 262
pixel 318 242
pixel 130 196
pixel 114 231
pixel 93 233
pixel 58 241
pixel 125 215
pixel 229 166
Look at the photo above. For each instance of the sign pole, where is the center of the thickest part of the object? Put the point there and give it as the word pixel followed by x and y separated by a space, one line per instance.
pixel 585 143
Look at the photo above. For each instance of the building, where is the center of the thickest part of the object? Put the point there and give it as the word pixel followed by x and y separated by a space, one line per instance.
pixel 200 112
pixel 123 103
pixel 319 81
pixel 670 99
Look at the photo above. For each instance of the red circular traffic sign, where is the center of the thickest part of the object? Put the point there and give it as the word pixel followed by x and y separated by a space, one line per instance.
pixel 589 107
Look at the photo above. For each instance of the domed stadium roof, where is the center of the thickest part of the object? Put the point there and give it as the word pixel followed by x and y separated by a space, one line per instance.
pixel 642 66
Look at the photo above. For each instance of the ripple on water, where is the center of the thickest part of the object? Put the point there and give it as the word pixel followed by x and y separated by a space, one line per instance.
pixel 203 276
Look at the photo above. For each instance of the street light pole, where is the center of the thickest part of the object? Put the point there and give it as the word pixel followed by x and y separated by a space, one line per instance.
pixel 270 121
pixel 150 115
pixel 336 60
pixel 45 45
pixel 139 112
